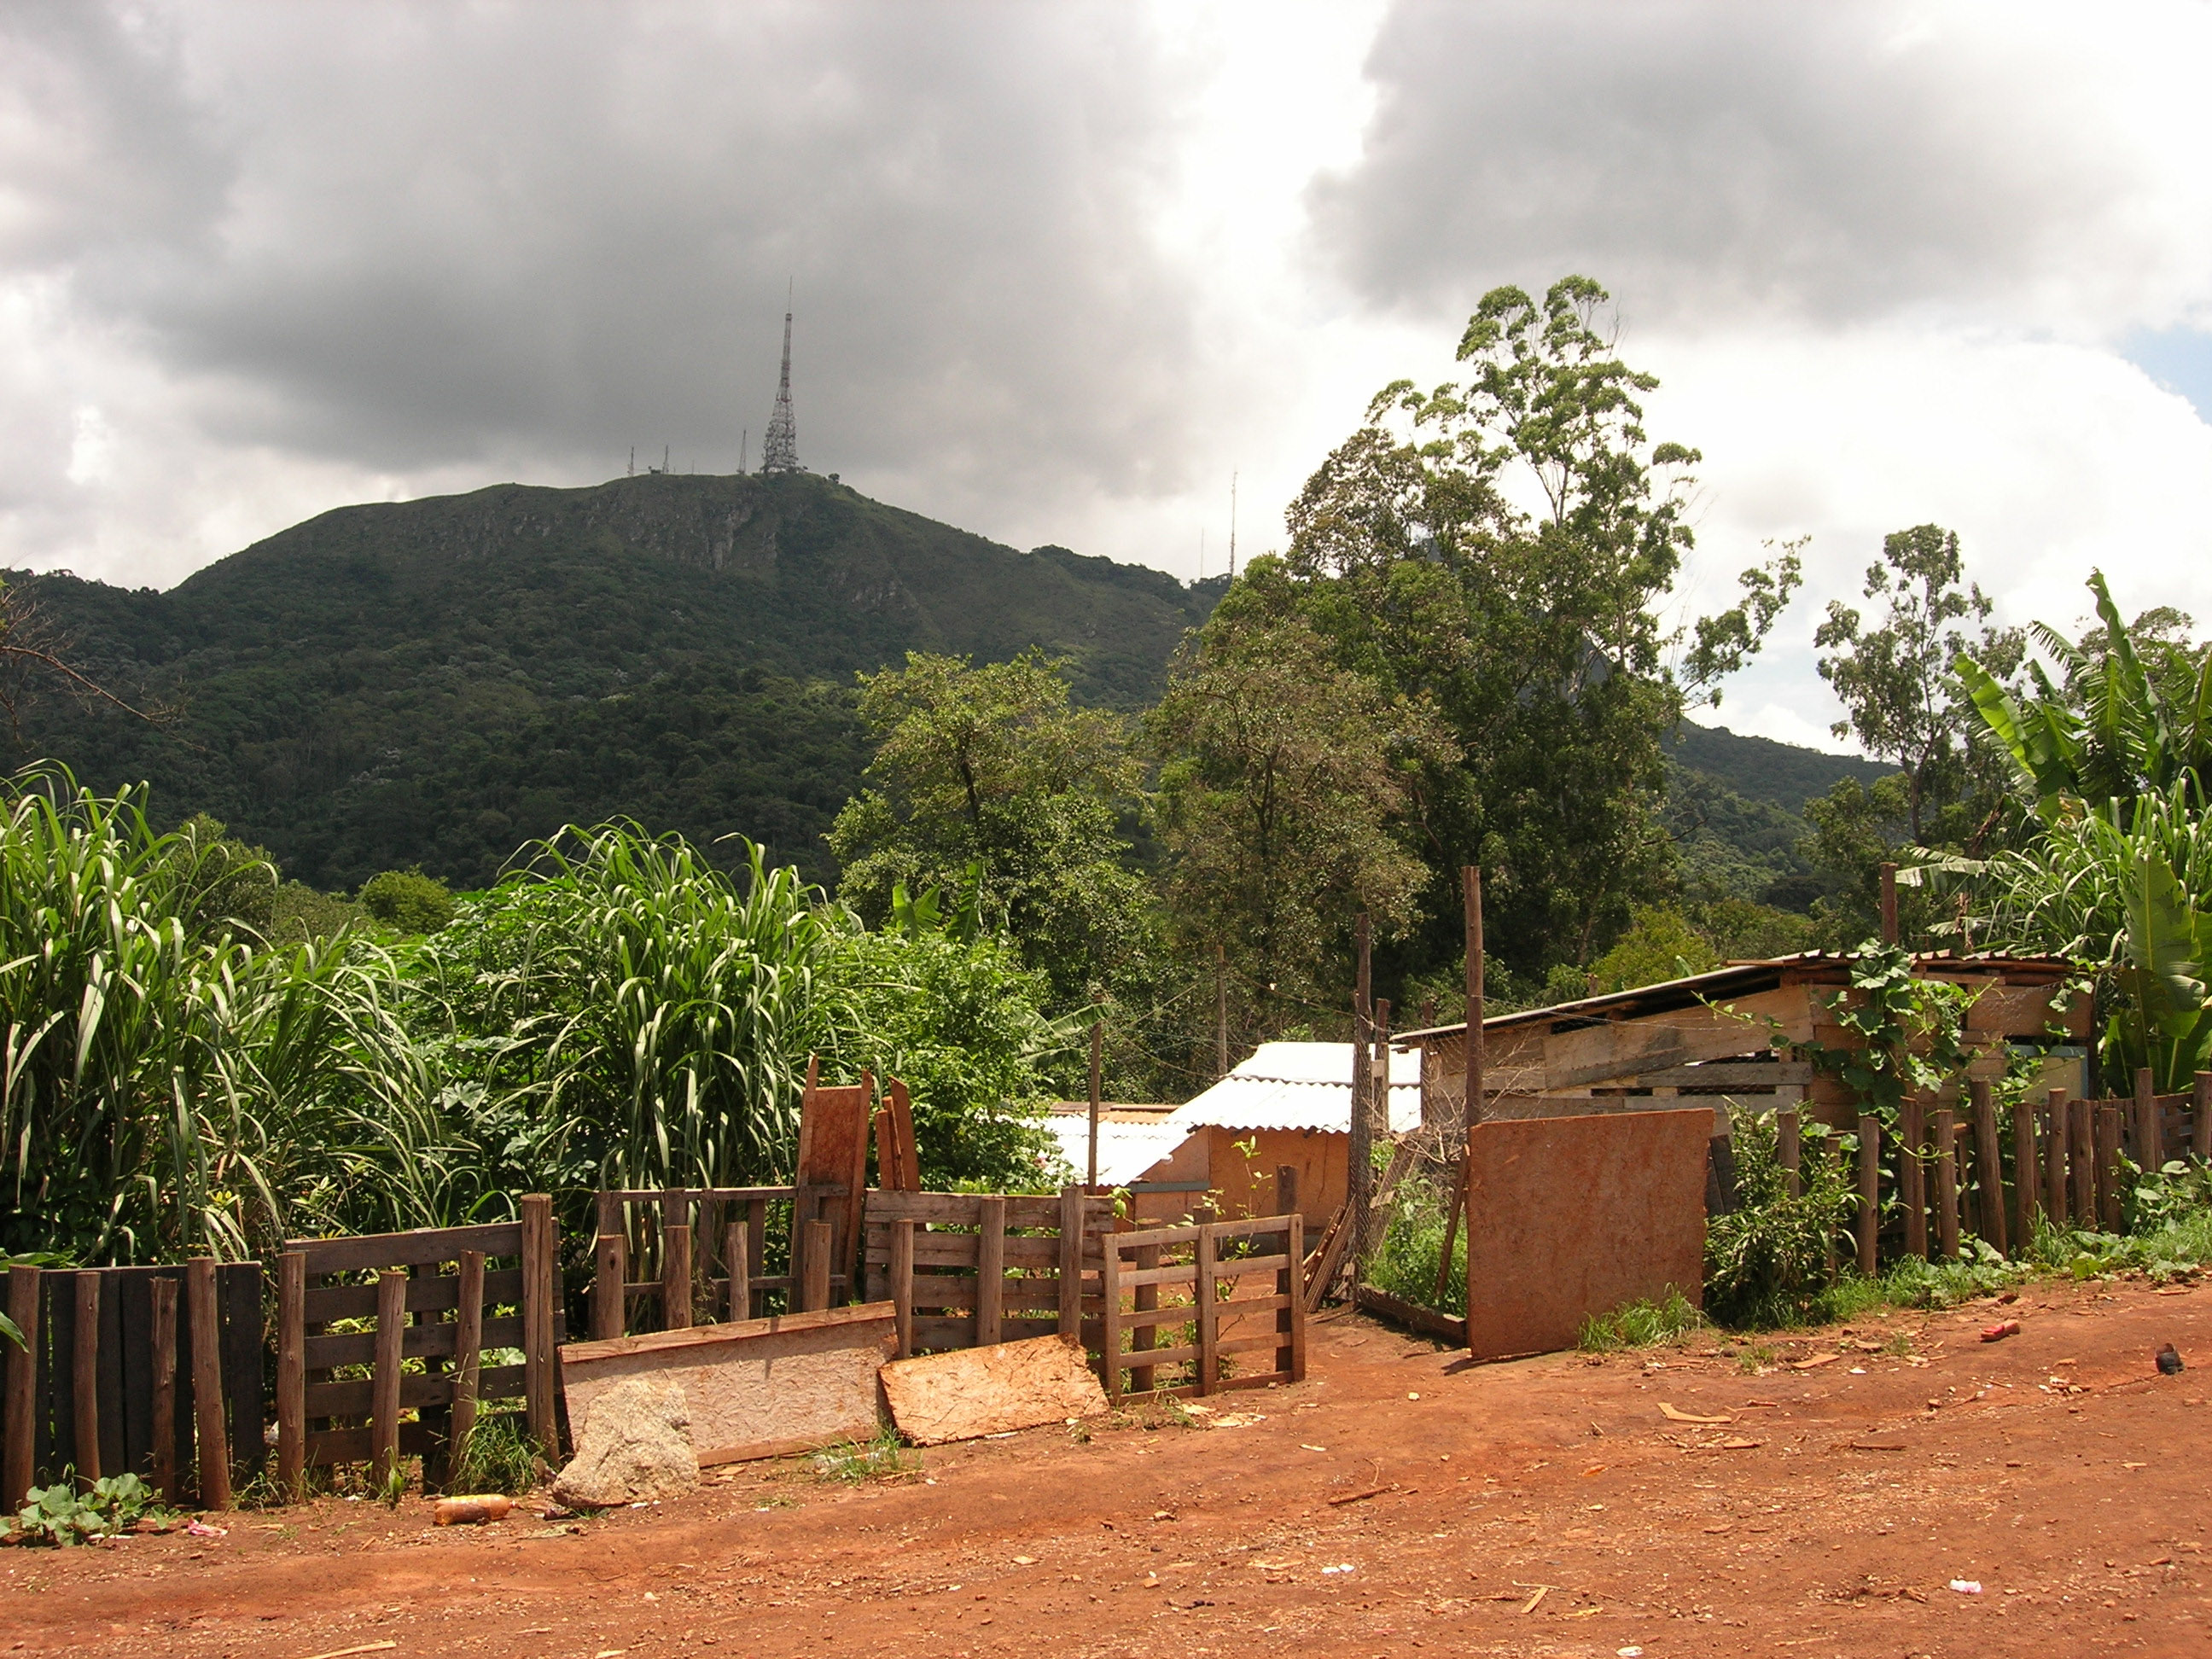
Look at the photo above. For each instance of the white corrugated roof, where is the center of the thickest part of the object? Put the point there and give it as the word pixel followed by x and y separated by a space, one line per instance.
pixel 1126 1151
pixel 1299 1085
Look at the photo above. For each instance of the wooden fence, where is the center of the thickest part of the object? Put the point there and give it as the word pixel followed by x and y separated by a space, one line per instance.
pixel 324 1417
pixel 1961 1174
pixel 1181 1281
pixel 967 1269
pixel 707 1247
pixel 134 1369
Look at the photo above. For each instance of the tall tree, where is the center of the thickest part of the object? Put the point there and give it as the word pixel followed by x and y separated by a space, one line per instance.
pixel 987 783
pixel 1532 628
pixel 1902 696
pixel 1283 778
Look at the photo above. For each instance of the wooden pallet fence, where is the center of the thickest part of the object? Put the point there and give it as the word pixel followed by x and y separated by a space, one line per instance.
pixel 1179 1281
pixel 968 1269
pixel 440 1295
pixel 117 1374
pixel 707 1250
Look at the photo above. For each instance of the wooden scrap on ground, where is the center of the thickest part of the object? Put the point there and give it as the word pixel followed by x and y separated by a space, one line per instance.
pixel 755 1388
pixel 972 1392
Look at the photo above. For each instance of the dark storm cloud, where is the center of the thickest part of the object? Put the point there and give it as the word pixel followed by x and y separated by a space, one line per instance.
pixel 405 236
pixel 1833 161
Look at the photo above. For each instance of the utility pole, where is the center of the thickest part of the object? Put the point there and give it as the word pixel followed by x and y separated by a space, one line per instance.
pixel 1220 1013
pixel 1097 1041
pixel 1473 1043
pixel 1359 1185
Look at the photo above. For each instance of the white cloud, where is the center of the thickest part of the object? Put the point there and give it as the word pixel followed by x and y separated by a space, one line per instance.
pixel 1062 269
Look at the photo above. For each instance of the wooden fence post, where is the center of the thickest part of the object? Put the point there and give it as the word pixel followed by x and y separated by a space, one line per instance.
pixel 1071 1261
pixel 1290 1322
pixel 213 1438
pixel 291 1373
pixel 1789 1149
pixel 2057 1145
pixel 1947 1183
pixel 1912 1175
pixel 2082 1160
pixel 820 1246
pixel 990 1269
pixel 903 1285
pixel 384 1376
pixel 163 1292
pixel 539 1241
pixel 1109 1319
pixel 2150 1137
pixel 468 1350
pixel 1868 1222
pixel 84 1374
pixel 610 1268
pixel 676 1261
pixel 1145 1298
pixel 1988 1172
pixel 2026 1174
pixel 2200 1129
pixel 21 1429
pixel 1209 1316
pixel 739 1262
pixel 2109 1117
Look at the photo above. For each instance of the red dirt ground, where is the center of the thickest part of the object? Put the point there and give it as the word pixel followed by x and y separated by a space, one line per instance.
pixel 1827 1517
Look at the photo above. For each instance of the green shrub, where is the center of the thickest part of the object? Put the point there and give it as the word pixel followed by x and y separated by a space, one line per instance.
pixel 59 1514
pixel 408 900
pixel 1643 1323
pixel 1768 1260
pixel 498 1455
pixel 1404 1261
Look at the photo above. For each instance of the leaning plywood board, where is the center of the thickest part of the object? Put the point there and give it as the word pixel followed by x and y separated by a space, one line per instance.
pixel 1568 1216
pixel 971 1392
pixel 755 1388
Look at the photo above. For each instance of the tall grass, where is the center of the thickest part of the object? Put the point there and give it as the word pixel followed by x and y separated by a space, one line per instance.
pixel 617 1012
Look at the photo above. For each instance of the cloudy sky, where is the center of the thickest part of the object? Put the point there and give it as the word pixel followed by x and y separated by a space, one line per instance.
pixel 1062 271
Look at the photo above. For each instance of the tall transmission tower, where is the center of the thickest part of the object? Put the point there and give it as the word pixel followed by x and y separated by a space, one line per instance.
pixel 780 448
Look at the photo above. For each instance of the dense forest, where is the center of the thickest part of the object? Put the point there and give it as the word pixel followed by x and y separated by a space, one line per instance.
pixel 1023 794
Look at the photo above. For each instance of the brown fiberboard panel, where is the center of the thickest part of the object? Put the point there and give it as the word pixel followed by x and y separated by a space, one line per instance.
pixel 1573 1216
pixel 972 1392
pixel 755 1388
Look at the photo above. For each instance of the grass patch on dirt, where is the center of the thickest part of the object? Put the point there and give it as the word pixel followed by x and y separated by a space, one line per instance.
pixel 1643 1323
pixel 852 1462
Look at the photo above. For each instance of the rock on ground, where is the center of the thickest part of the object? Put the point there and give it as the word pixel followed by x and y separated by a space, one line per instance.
pixel 636 1445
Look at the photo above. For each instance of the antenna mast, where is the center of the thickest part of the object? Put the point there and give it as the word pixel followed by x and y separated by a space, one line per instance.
pixel 744 443
pixel 780 448
pixel 1233 526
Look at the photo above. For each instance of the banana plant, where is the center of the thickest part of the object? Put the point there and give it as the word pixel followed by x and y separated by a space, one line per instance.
pixel 2162 1019
pixel 2104 731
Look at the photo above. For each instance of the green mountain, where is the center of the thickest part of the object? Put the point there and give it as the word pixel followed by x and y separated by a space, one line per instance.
pixel 1735 807
pixel 435 682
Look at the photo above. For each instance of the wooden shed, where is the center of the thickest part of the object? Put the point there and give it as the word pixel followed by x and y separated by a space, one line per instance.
pixel 1715 1035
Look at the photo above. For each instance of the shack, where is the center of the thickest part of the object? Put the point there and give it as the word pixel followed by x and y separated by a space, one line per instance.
pixel 1288 1104
pixel 1728 1036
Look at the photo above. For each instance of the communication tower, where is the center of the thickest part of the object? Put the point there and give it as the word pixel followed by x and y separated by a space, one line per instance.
pixel 780 448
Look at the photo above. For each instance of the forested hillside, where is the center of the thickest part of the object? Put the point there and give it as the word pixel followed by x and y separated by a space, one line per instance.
pixel 435 682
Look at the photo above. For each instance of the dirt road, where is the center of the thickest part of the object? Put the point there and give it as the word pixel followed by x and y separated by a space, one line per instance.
pixel 1547 1506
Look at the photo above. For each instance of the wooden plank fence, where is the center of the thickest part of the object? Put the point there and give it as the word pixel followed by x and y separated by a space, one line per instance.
pixel 409 1310
pixel 2059 1160
pixel 126 1369
pixel 708 1248
pixel 1189 1284
pixel 968 1269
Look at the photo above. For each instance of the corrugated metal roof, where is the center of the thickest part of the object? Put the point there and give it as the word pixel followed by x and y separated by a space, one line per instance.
pixel 1126 1151
pixel 1299 1085
pixel 1742 979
